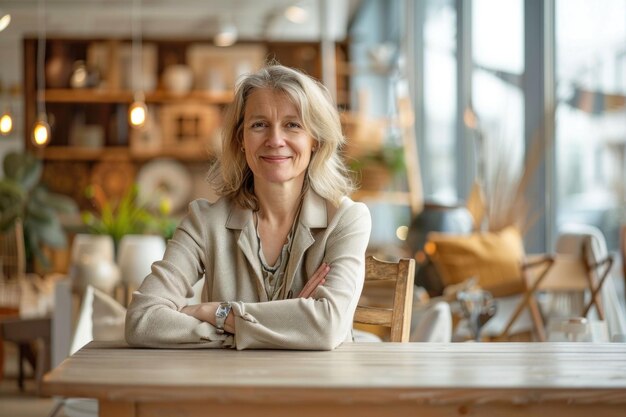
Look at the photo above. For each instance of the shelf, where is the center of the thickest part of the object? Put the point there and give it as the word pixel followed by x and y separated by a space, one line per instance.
pixel 105 96
pixel 391 197
pixel 74 153
pixel 181 154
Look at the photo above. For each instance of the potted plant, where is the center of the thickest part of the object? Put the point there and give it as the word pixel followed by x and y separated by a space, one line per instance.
pixel 375 169
pixel 23 197
pixel 128 216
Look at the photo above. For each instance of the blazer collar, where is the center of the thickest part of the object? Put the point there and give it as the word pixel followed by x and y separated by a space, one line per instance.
pixel 313 215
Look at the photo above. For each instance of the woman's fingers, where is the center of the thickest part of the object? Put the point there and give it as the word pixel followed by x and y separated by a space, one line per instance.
pixel 317 279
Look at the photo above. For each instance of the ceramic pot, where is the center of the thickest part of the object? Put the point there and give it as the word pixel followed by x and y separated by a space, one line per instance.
pixel 178 79
pixel 58 68
pixel 92 245
pixel 91 269
pixel 135 256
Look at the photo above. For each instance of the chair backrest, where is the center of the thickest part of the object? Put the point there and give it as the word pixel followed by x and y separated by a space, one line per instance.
pixel 12 256
pixel 588 242
pixel 398 318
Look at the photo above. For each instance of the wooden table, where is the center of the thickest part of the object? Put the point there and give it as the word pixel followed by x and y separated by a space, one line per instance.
pixel 25 332
pixel 368 379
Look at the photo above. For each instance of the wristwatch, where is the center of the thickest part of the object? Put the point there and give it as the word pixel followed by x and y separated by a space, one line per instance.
pixel 220 316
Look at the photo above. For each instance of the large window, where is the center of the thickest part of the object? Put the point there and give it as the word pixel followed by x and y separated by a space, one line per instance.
pixel 591 115
pixel 440 97
pixel 497 94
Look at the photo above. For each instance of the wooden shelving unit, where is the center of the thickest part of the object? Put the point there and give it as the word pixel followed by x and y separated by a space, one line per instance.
pixel 103 106
pixel 72 96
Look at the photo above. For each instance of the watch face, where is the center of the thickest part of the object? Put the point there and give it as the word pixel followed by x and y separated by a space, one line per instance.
pixel 222 310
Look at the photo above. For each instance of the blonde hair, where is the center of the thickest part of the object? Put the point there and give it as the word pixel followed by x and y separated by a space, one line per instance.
pixel 326 174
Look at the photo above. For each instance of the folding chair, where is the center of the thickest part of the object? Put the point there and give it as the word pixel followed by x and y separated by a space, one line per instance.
pixel 582 264
pixel 498 263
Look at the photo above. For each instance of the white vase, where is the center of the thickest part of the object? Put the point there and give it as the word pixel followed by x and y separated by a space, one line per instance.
pixel 94 270
pixel 86 244
pixel 135 256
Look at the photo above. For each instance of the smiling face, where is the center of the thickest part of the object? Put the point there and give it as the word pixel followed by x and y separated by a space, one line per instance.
pixel 278 148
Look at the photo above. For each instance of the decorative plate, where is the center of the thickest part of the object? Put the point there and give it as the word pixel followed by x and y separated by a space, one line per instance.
pixel 165 179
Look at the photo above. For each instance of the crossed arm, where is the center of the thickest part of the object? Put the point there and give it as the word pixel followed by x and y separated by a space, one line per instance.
pixel 206 311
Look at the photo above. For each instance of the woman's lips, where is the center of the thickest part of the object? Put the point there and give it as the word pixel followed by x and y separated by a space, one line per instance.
pixel 275 158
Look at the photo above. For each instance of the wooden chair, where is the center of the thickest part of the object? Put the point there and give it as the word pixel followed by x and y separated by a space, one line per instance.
pixel 12 270
pixel 582 264
pixel 401 275
pixel 31 335
pixel 12 259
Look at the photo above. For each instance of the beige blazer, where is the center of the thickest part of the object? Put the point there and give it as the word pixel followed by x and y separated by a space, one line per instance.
pixel 219 241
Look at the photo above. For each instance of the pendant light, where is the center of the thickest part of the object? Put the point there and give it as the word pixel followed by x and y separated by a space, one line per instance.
pixel 6 117
pixel 138 111
pixel 297 13
pixel 41 130
pixel 227 33
pixel 6 122
pixel 5 20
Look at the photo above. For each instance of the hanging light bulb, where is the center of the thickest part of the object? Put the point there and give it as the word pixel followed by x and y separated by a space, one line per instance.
pixel 41 131
pixel 6 122
pixel 5 20
pixel 6 118
pixel 227 34
pixel 138 111
pixel 296 14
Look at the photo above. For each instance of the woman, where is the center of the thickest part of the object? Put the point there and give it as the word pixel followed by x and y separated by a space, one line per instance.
pixel 282 250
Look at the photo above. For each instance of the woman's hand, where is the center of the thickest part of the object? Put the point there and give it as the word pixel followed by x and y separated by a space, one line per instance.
pixel 206 312
pixel 318 278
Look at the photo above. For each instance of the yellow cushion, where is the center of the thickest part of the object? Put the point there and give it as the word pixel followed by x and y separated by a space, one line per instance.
pixel 494 258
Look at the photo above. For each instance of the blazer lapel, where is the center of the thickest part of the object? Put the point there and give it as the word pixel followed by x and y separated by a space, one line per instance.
pixel 241 219
pixel 313 215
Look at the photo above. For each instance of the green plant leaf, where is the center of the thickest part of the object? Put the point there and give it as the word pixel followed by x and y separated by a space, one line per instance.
pixel 23 168
pixel 57 202
pixel 128 216
pixel 48 231
pixel 21 196
pixel 12 201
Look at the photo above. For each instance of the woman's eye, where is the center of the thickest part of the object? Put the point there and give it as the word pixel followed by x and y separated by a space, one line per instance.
pixel 256 125
pixel 294 125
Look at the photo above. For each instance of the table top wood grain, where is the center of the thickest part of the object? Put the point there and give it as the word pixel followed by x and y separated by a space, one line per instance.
pixel 584 373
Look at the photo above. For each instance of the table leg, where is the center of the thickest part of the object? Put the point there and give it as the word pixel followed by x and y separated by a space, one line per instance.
pixel 623 253
pixel 116 409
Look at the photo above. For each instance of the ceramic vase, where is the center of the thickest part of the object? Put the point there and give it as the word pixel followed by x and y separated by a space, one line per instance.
pixel 94 270
pixel 178 79
pixel 136 254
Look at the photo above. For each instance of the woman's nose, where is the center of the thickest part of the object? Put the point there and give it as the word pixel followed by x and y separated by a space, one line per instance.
pixel 275 137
